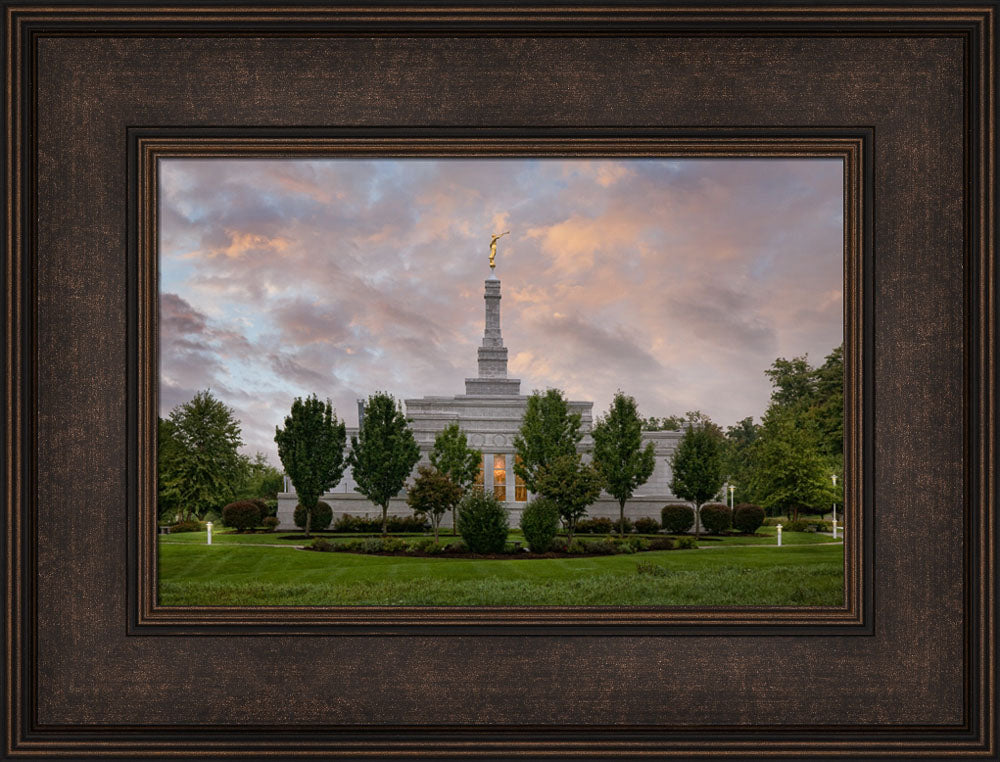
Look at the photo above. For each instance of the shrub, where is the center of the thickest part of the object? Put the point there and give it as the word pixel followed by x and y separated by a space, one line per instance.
pixel 647 525
pixel 601 525
pixel 421 545
pixel 482 522
pixel 394 545
pixel 400 524
pixel 716 518
pixel 360 524
pixel 664 543
pixel 639 544
pixel 747 518
pixel 186 526
pixel 686 543
pixel 653 570
pixel 540 522
pixel 243 515
pixel 322 515
pixel 799 526
pixel 599 547
pixel 576 547
pixel 270 523
pixel 456 547
pixel 677 518
pixel 626 523
pixel 271 507
pixel 322 545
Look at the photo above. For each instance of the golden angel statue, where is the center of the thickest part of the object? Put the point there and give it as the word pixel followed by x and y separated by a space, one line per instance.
pixel 493 249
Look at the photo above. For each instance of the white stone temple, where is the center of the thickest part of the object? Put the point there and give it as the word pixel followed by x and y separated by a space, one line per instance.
pixel 490 414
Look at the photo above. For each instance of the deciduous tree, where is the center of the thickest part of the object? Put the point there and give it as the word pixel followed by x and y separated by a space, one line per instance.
pixel 311 448
pixel 791 472
pixel 202 465
pixel 383 453
pixel 433 493
pixel 697 468
pixel 619 457
pixel 572 485
pixel 549 430
pixel 452 456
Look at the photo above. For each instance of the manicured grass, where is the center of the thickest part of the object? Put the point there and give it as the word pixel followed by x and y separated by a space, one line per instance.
pixel 230 573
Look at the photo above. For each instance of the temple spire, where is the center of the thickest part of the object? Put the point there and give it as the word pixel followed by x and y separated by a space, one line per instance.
pixel 492 353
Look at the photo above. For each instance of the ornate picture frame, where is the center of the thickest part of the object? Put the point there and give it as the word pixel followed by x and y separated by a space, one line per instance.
pixel 95 95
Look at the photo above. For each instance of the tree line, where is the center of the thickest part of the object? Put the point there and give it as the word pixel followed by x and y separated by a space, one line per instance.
pixel 784 463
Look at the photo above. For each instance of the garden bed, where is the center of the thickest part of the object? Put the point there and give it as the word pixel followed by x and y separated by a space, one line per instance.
pixel 427 548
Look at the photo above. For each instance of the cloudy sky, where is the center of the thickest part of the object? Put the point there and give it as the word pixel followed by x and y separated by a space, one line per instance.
pixel 678 281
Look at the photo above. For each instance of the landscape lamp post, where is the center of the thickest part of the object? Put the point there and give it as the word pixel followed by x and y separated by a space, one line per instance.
pixel 732 489
pixel 209 525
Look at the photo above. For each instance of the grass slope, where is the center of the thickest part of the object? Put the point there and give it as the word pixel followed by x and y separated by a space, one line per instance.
pixel 240 574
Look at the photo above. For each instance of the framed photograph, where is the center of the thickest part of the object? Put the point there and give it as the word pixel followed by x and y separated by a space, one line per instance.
pixel 560 381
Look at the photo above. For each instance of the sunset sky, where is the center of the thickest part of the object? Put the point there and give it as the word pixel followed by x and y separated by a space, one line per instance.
pixel 678 281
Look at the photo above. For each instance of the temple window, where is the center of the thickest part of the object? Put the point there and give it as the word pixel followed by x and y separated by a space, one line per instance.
pixel 520 488
pixel 500 477
pixel 478 483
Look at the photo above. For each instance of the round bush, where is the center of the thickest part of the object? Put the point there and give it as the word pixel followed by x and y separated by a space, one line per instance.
pixel 647 525
pixel 747 518
pixel 677 518
pixel 270 523
pixel 482 522
pixel 322 515
pixel 540 522
pixel 243 515
pixel 716 518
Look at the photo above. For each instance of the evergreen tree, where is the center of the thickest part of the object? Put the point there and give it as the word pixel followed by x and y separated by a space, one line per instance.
pixel 619 457
pixel 311 448
pixel 697 467
pixel 548 430
pixel 383 453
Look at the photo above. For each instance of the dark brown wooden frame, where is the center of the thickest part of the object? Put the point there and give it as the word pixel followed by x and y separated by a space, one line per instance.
pixel 93 667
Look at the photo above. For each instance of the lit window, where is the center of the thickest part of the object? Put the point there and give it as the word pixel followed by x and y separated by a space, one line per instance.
pixel 520 488
pixel 500 477
pixel 478 483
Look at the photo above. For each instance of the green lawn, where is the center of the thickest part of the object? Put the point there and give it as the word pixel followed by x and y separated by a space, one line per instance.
pixel 233 572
